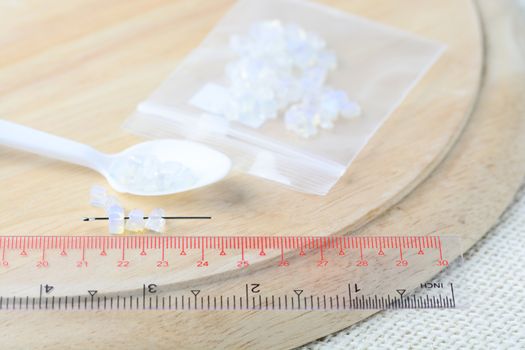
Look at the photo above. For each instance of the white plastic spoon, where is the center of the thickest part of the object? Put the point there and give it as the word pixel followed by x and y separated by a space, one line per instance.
pixel 202 164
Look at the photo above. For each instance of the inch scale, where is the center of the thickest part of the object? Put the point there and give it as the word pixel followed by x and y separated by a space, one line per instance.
pixel 212 273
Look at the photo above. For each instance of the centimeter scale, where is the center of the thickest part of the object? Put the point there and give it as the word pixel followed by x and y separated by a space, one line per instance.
pixel 188 273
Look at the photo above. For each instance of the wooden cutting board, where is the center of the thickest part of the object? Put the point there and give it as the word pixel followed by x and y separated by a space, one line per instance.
pixel 79 71
pixel 466 193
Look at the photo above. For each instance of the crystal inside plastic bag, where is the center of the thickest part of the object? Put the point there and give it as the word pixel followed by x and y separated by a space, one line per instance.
pixel 283 67
pixel 375 64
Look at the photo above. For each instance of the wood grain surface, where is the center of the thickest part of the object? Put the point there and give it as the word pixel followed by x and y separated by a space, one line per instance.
pixel 77 71
pixel 466 194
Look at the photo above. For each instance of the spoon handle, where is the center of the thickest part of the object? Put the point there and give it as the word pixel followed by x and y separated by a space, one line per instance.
pixel 48 145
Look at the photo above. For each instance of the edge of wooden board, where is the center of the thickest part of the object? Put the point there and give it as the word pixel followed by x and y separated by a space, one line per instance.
pixel 243 204
pixel 468 191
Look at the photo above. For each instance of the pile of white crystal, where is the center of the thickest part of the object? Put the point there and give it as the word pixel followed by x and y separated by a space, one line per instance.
pixel 282 69
pixel 147 173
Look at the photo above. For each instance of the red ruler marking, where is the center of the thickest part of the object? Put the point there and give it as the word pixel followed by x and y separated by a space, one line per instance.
pixel 221 245
pixel 24 243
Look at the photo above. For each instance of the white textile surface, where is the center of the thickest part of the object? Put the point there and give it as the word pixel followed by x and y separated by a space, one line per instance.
pixel 492 277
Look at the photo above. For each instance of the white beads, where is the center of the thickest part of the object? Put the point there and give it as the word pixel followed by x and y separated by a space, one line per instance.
pixel 319 110
pixel 111 201
pixel 116 219
pixel 147 173
pixel 135 222
pixel 98 196
pixel 299 119
pixel 115 212
pixel 283 68
pixel 156 222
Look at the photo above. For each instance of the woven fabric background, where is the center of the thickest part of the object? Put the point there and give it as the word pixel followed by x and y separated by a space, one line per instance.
pixel 492 278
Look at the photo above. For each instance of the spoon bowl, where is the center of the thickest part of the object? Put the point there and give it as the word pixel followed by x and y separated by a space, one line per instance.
pixel 152 168
pixel 207 165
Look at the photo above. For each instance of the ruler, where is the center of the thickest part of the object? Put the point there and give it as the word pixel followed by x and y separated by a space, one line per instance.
pixel 213 273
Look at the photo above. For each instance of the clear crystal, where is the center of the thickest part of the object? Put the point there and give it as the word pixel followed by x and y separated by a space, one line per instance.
pixel 316 42
pixel 300 119
pixel 281 65
pixel 116 219
pixel 350 110
pixel 135 222
pixel 156 222
pixel 150 174
pixel 330 101
pixel 295 36
pixel 313 80
pixel 98 196
pixel 111 201
pixel 304 57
